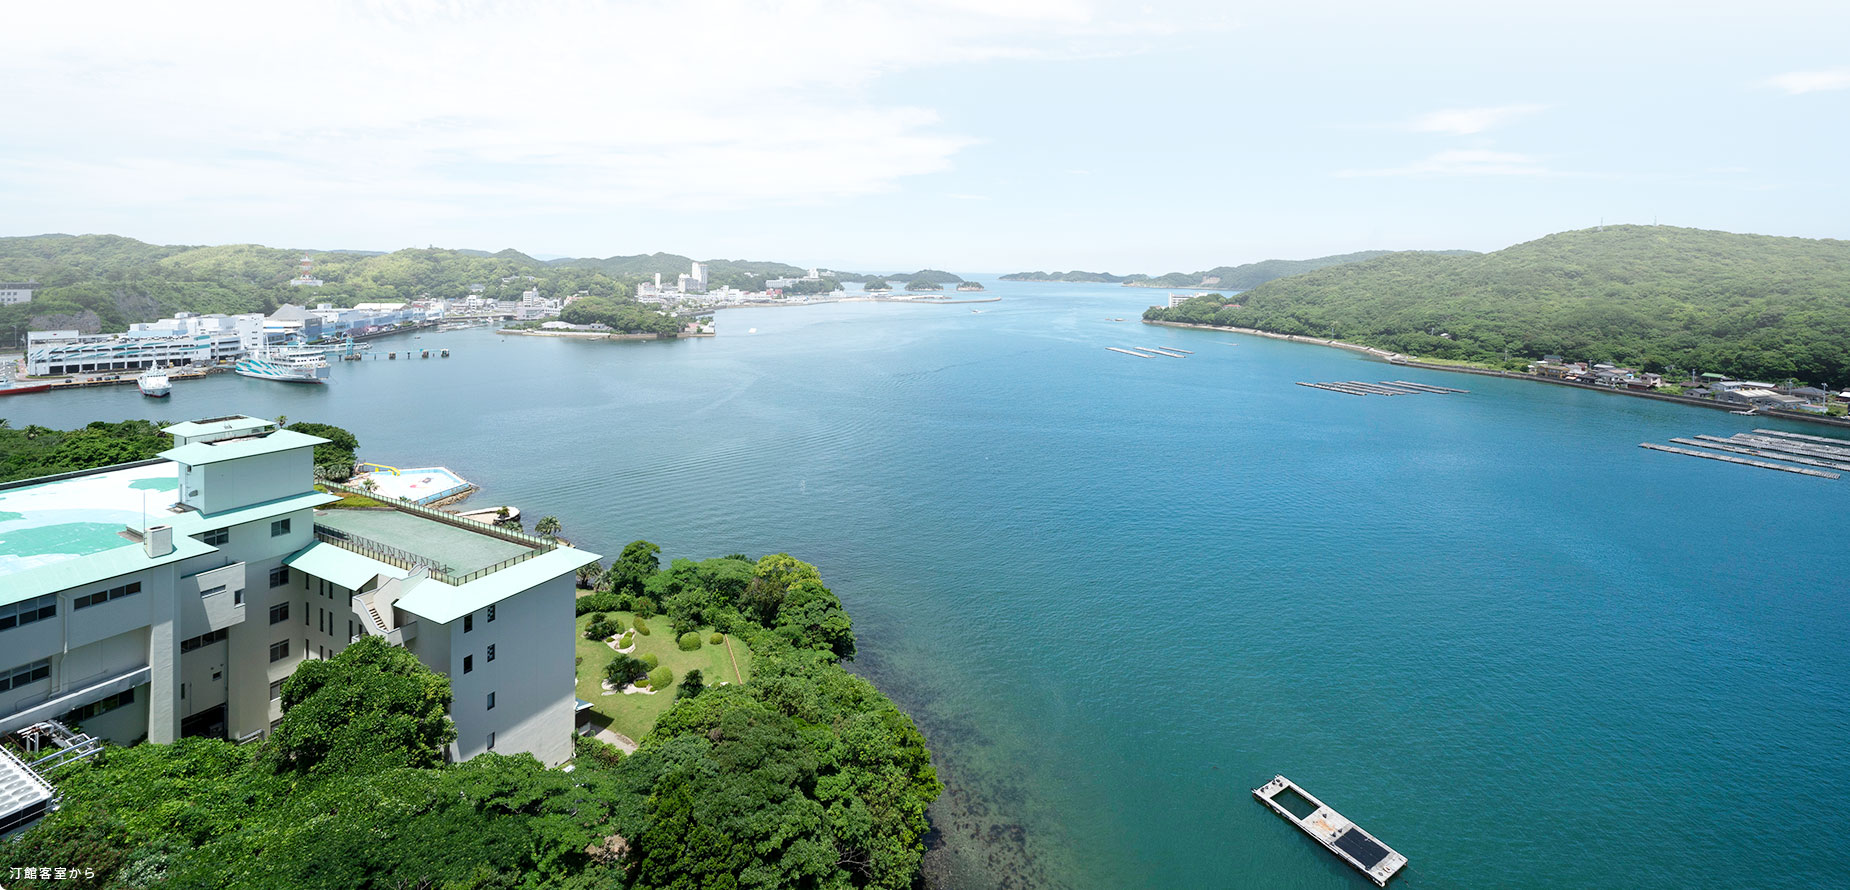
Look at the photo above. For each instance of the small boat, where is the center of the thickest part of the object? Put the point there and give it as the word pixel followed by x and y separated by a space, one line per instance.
pixel 154 383
pixel 11 387
pixel 287 364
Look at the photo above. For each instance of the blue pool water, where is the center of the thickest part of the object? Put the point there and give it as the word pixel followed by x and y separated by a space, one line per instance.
pixel 1120 592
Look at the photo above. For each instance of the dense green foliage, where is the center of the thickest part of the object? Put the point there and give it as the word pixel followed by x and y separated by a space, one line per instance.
pixel 1653 297
pixel 335 458
pixel 742 274
pixel 876 284
pixel 1075 275
pixel 624 315
pixel 923 284
pixel 37 451
pixel 935 276
pixel 804 777
pixel 823 285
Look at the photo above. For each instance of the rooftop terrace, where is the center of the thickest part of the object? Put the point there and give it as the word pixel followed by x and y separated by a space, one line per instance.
pixel 452 547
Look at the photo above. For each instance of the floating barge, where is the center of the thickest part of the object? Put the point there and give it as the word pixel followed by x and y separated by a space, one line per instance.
pixel 1339 835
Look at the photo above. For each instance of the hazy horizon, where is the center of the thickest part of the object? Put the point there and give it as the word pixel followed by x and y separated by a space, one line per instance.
pixel 1005 136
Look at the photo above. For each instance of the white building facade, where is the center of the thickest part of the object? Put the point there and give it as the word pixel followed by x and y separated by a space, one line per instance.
pixel 14 292
pixel 171 598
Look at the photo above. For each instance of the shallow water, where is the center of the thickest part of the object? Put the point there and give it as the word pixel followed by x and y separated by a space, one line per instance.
pixel 1120 592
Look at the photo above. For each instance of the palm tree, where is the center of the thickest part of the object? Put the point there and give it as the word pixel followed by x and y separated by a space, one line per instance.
pixel 547 527
pixel 589 575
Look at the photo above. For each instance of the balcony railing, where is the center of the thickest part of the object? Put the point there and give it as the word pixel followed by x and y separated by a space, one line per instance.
pixel 405 559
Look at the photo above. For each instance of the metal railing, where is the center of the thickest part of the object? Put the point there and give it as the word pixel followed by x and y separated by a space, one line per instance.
pixel 415 509
pixel 368 547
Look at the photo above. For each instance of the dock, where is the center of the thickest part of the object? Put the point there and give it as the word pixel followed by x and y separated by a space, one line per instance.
pixel 1424 387
pixel 1740 460
pixel 1129 352
pixel 1160 351
pixel 1337 834
pixel 1839 443
pixel 1719 444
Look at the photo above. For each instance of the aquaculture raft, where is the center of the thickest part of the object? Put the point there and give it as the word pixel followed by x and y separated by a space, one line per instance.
pixel 1344 838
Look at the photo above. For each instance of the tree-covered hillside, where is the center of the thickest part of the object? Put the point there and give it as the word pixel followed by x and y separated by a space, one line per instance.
pixel 103 283
pixel 1653 297
pixel 1240 277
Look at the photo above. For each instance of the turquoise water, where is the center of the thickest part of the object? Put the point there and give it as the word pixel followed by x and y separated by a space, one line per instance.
pixel 1120 592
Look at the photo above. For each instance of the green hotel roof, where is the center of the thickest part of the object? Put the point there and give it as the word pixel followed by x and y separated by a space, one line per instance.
pixel 343 567
pixel 443 604
pixel 210 452
pixel 69 532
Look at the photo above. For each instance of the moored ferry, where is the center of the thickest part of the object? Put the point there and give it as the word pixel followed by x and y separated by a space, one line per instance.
pixel 154 383
pixel 289 364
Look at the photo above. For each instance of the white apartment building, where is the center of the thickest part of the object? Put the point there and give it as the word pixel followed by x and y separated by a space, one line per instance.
pixel 12 292
pixel 172 597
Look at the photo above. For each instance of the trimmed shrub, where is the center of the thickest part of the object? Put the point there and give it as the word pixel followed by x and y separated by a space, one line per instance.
pixel 644 607
pixel 661 678
pixel 688 642
pixel 597 602
pixel 717 638
pixel 623 669
pixel 650 660
pixel 624 641
pixel 642 627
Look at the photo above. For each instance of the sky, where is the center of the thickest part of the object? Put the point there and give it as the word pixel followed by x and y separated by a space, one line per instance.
pixel 969 135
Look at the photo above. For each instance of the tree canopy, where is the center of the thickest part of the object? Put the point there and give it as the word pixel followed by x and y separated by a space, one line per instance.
pixel 37 451
pixel 1650 297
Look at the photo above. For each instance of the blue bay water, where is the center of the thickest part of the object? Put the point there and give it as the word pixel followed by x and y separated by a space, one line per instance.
pixel 1118 592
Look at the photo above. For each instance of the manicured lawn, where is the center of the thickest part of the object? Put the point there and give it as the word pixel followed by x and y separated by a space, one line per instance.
pixel 633 715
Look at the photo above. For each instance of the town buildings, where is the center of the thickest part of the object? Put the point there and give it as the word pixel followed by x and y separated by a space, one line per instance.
pixel 173 597
pixel 14 292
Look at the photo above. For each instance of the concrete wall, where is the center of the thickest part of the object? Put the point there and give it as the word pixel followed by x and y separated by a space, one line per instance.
pixel 532 675
pixel 230 484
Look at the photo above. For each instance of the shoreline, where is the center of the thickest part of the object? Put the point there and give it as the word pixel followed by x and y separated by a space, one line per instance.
pixel 1396 358
pixel 916 301
pixel 603 335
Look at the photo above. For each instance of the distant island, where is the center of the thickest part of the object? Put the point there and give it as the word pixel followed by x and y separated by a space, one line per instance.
pixel 971 286
pixel 876 286
pixel 1235 278
pixel 923 284
pixel 1667 300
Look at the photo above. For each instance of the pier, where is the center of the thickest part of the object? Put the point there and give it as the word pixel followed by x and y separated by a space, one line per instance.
pixel 1336 833
pixel 1130 352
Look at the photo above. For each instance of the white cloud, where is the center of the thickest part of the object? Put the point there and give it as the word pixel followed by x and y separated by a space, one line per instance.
pixel 1797 82
pixel 419 109
pixel 1464 162
pixel 1466 121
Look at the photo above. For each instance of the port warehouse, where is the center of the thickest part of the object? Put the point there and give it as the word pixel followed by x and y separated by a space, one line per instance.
pixel 171 598
pixel 192 339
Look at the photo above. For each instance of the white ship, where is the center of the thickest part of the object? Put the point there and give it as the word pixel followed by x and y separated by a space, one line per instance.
pixel 289 364
pixel 154 383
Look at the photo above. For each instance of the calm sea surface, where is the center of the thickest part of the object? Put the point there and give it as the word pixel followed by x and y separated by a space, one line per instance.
pixel 1119 593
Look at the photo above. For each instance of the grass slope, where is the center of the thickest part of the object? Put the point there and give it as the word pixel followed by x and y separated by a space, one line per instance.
pixel 633 715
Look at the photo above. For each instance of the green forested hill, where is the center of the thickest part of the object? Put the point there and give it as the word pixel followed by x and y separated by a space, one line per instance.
pixel 1648 296
pixel 746 274
pixel 1240 277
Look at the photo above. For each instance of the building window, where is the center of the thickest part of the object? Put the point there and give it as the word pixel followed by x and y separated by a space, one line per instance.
pixel 100 707
pixel 279 650
pixel 468 623
pixel 468 663
pixel 37 608
pixel 279 576
pixel 491 701
pixel 103 596
pixel 491 652
pixel 237 597
pixel 204 639
pixel 279 528
pixel 491 741
pixel 25 673
pixel 216 537
pixel 491 613
pixel 276 690
pixel 279 613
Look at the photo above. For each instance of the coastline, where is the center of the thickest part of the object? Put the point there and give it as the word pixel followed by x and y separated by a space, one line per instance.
pixel 1401 360
pixel 916 301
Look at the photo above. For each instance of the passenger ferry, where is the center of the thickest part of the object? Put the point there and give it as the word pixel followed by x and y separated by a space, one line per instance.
pixel 154 383
pixel 289 364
